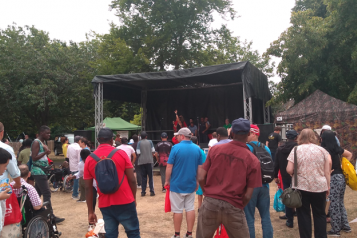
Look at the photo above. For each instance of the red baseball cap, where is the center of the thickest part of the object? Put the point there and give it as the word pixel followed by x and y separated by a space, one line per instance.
pixel 255 129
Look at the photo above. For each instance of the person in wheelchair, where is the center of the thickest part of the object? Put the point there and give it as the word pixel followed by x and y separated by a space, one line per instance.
pixel 38 220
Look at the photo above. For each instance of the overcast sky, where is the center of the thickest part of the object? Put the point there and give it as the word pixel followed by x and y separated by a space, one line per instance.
pixel 260 21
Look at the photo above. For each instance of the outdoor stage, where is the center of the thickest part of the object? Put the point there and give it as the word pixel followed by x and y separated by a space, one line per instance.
pixel 217 92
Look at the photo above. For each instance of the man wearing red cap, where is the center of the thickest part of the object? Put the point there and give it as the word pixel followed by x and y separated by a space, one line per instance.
pixel 260 198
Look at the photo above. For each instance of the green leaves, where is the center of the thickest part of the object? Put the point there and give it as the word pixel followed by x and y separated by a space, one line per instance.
pixel 318 51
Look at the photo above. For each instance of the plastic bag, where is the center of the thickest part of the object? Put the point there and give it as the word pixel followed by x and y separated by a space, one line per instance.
pixel 280 185
pixel 167 199
pixel 349 173
pixel 221 232
pixel 278 204
pixel 13 214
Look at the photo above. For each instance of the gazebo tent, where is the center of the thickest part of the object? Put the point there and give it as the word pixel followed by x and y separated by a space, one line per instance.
pixel 118 124
pixel 319 109
pixel 217 92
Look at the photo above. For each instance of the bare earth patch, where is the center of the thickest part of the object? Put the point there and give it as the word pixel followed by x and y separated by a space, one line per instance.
pixel 155 223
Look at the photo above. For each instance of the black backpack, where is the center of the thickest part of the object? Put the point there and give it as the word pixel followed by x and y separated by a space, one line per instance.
pixel 266 162
pixel 106 173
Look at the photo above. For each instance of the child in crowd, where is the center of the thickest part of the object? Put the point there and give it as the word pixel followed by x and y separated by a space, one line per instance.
pixel 4 161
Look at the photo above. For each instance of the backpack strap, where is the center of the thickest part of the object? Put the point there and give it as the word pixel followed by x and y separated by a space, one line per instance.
pixel 112 153
pixel 254 146
pixel 95 157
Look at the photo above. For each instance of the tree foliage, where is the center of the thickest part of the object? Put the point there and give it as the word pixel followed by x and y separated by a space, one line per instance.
pixel 319 51
pixel 43 81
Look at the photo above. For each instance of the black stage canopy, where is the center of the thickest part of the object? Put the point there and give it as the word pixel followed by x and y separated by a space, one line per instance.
pixel 215 92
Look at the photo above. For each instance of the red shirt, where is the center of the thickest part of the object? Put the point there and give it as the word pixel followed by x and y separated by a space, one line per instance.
pixel 231 168
pixel 122 162
pixel 174 140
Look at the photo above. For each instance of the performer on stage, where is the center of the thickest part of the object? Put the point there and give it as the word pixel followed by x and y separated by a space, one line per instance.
pixel 179 123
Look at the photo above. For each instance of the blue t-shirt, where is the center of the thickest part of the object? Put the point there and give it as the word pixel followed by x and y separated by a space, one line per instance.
pixel 252 150
pixel 185 158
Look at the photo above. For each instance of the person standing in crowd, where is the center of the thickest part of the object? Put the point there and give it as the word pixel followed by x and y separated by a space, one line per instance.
pixel 199 192
pixel 137 166
pixel 39 152
pixel 179 123
pixel 261 197
pixel 274 139
pixel 313 177
pixel 163 149
pixel 222 136
pixel 79 175
pixel 228 178
pixel 129 150
pixel 73 154
pixel 339 221
pixel 146 152
pixel 227 125
pixel 117 138
pixel 65 143
pixel 25 153
pixel 192 127
pixel 205 131
pixel 181 175
pixel 26 137
pixel 202 127
pixel 84 143
pixel 280 163
pixel 328 128
pixel 117 207
pixel 213 141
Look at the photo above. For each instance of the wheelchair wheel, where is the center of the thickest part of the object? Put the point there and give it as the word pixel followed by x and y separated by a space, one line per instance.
pixel 67 184
pixel 54 185
pixel 37 228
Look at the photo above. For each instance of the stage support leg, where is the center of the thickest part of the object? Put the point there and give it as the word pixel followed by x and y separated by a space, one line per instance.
pixel 266 113
pixel 247 108
pixel 144 94
pixel 98 96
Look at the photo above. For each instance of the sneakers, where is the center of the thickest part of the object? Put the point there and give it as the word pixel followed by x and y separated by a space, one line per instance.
pixel 330 233
pixel 139 186
pixel 283 217
pixel 143 194
pixel 290 225
pixel 75 198
pixel 152 194
pixel 81 200
pixel 347 230
pixel 59 220
pixel 164 190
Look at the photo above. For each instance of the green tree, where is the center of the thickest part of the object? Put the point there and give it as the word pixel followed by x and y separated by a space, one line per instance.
pixel 168 32
pixel 43 81
pixel 319 51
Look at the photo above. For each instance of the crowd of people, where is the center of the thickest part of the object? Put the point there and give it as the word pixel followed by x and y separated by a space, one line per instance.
pixel 229 180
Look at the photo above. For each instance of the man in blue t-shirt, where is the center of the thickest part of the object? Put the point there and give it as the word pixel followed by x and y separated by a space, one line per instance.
pixel 181 175
pixel 260 198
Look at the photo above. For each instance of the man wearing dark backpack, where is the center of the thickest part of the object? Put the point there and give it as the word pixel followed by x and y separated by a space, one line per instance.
pixel 114 174
pixel 260 198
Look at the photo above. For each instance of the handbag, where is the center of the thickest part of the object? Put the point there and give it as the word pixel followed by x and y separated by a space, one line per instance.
pixel 292 197
pixel 350 173
pixel 13 214
pixel 278 204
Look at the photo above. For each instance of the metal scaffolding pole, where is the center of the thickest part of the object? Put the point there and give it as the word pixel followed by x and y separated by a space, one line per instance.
pixel 144 94
pixel 247 107
pixel 266 113
pixel 98 118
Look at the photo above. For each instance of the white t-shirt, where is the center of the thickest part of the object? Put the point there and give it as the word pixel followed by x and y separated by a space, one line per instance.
pixel 128 149
pixel 212 142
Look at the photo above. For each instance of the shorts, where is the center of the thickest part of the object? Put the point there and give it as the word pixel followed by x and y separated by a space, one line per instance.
pixel 180 201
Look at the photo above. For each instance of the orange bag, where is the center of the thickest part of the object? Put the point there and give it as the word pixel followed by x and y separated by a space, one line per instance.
pixel 167 199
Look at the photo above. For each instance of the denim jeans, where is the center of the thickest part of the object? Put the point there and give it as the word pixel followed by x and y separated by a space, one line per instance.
pixel 289 212
pixel 261 200
pixel 75 186
pixel 146 171
pixel 124 214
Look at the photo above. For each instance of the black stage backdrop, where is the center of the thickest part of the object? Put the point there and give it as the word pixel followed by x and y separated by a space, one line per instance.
pixel 216 103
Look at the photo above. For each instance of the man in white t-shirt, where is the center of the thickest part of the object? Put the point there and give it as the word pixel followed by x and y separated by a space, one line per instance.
pixel 213 141
pixel 129 150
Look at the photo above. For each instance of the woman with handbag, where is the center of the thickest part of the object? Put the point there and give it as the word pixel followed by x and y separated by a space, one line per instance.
pixel 338 212
pixel 313 168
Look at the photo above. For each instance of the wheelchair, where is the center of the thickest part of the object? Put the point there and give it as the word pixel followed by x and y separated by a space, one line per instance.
pixel 36 224
pixel 59 179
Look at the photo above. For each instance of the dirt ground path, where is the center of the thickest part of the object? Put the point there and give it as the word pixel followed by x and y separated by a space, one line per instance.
pixel 155 223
